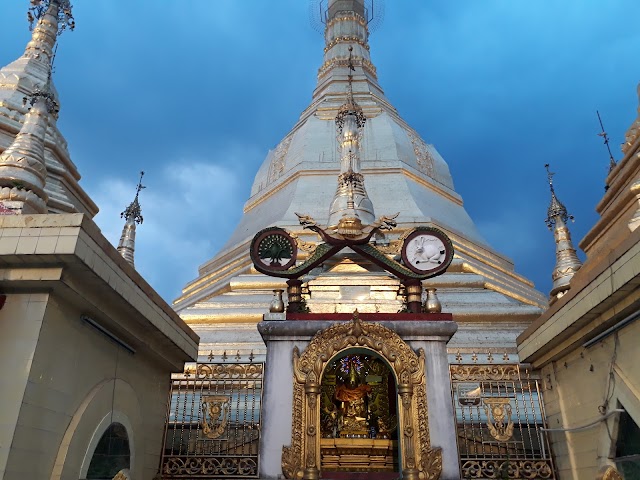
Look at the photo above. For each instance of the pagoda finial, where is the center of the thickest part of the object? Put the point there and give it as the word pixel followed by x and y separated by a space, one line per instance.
pixel 567 261
pixel 52 17
pixel 23 170
pixel 346 24
pixel 132 215
pixel 556 208
pixel 351 208
pixel 62 9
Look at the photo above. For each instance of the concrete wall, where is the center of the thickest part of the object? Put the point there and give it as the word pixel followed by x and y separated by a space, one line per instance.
pixel 69 392
pixel 575 385
pixel 62 381
pixel 20 322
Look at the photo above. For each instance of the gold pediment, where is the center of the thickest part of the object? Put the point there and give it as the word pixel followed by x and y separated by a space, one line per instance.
pixel 346 265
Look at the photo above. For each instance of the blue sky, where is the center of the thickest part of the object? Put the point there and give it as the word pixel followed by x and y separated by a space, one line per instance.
pixel 196 93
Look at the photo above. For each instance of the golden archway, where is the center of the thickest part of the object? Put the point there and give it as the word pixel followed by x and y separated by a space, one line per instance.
pixel 301 459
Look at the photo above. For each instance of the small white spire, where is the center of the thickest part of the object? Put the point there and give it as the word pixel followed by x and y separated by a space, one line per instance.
pixel 23 171
pixel 132 215
pixel 567 261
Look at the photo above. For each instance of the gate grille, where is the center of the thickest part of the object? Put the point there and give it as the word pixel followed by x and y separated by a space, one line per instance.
pixel 499 417
pixel 213 422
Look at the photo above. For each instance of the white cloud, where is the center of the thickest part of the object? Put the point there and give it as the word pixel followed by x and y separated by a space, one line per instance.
pixel 188 210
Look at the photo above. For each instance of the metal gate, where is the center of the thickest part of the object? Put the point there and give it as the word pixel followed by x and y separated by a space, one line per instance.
pixel 499 421
pixel 213 422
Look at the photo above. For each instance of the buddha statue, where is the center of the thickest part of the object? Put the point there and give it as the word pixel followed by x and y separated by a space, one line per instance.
pixel 353 401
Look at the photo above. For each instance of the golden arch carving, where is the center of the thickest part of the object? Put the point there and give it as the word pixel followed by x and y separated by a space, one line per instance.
pixel 301 460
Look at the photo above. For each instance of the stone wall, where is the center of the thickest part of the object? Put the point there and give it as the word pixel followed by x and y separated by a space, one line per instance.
pixel 84 342
pixel 576 386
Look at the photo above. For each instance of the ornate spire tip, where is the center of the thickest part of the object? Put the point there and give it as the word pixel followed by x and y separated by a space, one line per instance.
pixel 556 208
pixel 61 9
pixel 134 211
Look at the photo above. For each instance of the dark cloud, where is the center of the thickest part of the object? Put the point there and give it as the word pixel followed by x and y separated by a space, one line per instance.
pixel 500 87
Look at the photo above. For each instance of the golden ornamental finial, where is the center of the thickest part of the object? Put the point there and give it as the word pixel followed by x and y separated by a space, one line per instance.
pixel 567 261
pixel 356 329
pixel 132 215
pixel 60 9
pixel 556 208
pixel 134 211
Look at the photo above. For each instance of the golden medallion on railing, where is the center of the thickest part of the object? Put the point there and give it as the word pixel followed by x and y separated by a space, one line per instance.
pixel 215 418
pixel 123 474
pixel 609 473
pixel 499 421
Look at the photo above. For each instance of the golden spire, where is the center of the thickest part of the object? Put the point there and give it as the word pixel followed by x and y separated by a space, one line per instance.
pixel 22 166
pixel 33 67
pixel 23 169
pixel 132 215
pixel 351 208
pixel 53 17
pixel 567 262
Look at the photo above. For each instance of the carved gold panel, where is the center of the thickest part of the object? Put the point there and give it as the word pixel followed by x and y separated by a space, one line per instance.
pixel 301 460
pixel 499 422
pixel 214 415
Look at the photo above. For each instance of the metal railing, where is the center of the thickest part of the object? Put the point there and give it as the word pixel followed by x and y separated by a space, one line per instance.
pixel 213 422
pixel 499 417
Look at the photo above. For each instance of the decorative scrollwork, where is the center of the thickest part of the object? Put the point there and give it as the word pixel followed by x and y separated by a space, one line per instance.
pixel 277 167
pixel 512 469
pixel 218 466
pixel 479 373
pixel 221 371
pixel 431 463
pixel 302 245
pixel 424 159
pixel 394 246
